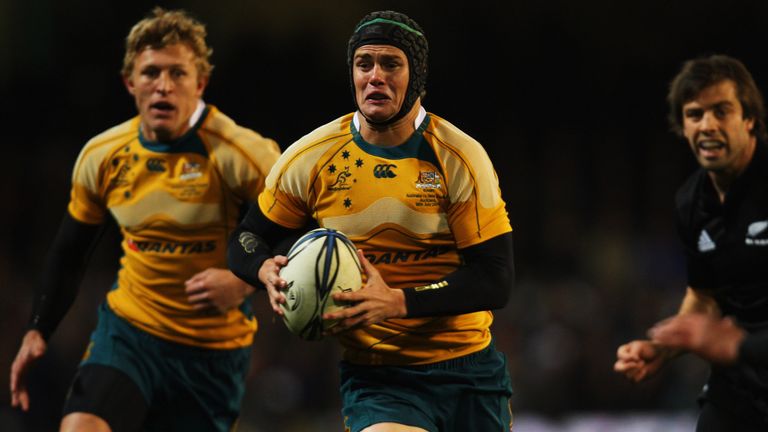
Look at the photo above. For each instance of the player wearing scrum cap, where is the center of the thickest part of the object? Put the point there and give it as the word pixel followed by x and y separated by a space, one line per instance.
pixel 421 200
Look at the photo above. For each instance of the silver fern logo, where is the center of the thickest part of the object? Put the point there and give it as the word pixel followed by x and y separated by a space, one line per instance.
pixel 753 231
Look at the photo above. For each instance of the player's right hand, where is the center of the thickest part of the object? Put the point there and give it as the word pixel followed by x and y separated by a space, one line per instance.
pixel 639 359
pixel 269 275
pixel 710 337
pixel 33 347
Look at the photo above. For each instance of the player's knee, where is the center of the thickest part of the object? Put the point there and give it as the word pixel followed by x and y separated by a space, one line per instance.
pixel 392 427
pixel 83 422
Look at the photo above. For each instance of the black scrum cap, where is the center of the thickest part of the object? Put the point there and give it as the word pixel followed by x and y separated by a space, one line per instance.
pixel 396 29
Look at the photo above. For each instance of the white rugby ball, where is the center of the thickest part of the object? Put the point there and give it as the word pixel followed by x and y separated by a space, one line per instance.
pixel 322 262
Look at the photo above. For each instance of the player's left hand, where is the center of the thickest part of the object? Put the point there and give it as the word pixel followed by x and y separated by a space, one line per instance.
pixel 373 303
pixel 217 290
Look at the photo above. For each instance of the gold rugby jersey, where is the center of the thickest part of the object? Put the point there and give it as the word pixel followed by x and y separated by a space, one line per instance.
pixel 176 205
pixel 408 208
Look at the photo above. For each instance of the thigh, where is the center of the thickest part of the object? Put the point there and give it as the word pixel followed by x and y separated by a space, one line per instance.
pixel 185 388
pixel 204 391
pixel 467 393
pixel 82 422
pixel 392 427
pixel 108 394
pixel 480 390
pixel 377 397
pixel 117 344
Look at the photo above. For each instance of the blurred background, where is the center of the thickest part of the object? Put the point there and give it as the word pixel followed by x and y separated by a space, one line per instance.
pixel 567 97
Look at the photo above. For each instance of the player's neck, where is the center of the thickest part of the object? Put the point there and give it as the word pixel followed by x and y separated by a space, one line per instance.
pixel 723 179
pixel 392 134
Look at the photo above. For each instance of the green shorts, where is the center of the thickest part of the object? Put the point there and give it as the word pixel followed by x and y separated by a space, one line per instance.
pixel 186 388
pixel 470 393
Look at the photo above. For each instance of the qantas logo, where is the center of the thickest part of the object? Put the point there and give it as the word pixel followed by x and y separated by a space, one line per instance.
pixel 181 248
pixel 402 256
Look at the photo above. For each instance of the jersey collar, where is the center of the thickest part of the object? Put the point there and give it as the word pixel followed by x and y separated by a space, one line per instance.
pixel 410 148
pixel 187 143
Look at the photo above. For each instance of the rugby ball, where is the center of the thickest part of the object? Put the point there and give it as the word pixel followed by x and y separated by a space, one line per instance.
pixel 322 262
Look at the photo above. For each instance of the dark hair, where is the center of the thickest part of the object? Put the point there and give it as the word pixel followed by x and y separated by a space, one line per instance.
pixel 703 72
pixel 396 29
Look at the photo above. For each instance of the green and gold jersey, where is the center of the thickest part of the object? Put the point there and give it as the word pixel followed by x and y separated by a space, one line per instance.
pixel 176 204
pixel 409 208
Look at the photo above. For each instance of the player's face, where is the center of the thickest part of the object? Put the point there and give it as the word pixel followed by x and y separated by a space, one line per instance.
pixel 380 75
pixel 715 127
pixel 166 86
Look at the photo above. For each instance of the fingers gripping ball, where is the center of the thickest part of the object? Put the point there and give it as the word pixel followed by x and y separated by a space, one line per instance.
pixel 320 263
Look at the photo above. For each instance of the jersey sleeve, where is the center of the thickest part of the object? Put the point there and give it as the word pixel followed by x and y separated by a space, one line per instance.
pixel 285 196
pixel 477 211
pixel 243 155
pixel 86 203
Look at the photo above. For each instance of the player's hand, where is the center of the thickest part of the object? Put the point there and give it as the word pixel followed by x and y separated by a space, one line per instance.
pixel 216 290
pixel 373 303
pixel 639 359
pixel 269 275
pixel 33 347
pixel 712 338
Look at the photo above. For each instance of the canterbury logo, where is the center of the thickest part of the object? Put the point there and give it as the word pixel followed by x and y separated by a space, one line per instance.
pixel 156 165
pixel 248 241
pixel 384 171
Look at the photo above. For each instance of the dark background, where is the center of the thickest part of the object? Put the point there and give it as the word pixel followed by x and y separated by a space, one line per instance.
pixel 567 97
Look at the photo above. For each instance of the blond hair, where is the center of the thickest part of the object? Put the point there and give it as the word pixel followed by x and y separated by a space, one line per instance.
pixel 168 27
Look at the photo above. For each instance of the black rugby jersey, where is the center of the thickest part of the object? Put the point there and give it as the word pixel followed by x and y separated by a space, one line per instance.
pixel 726 246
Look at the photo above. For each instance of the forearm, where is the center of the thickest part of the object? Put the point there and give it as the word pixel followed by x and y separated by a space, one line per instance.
pixel 696 301
pixel 256 240
pixel 245 255
pixel 484 282
pixel 62 271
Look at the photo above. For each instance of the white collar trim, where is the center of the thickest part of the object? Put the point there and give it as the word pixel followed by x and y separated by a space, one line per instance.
pixel 198 112
pixel 416 122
